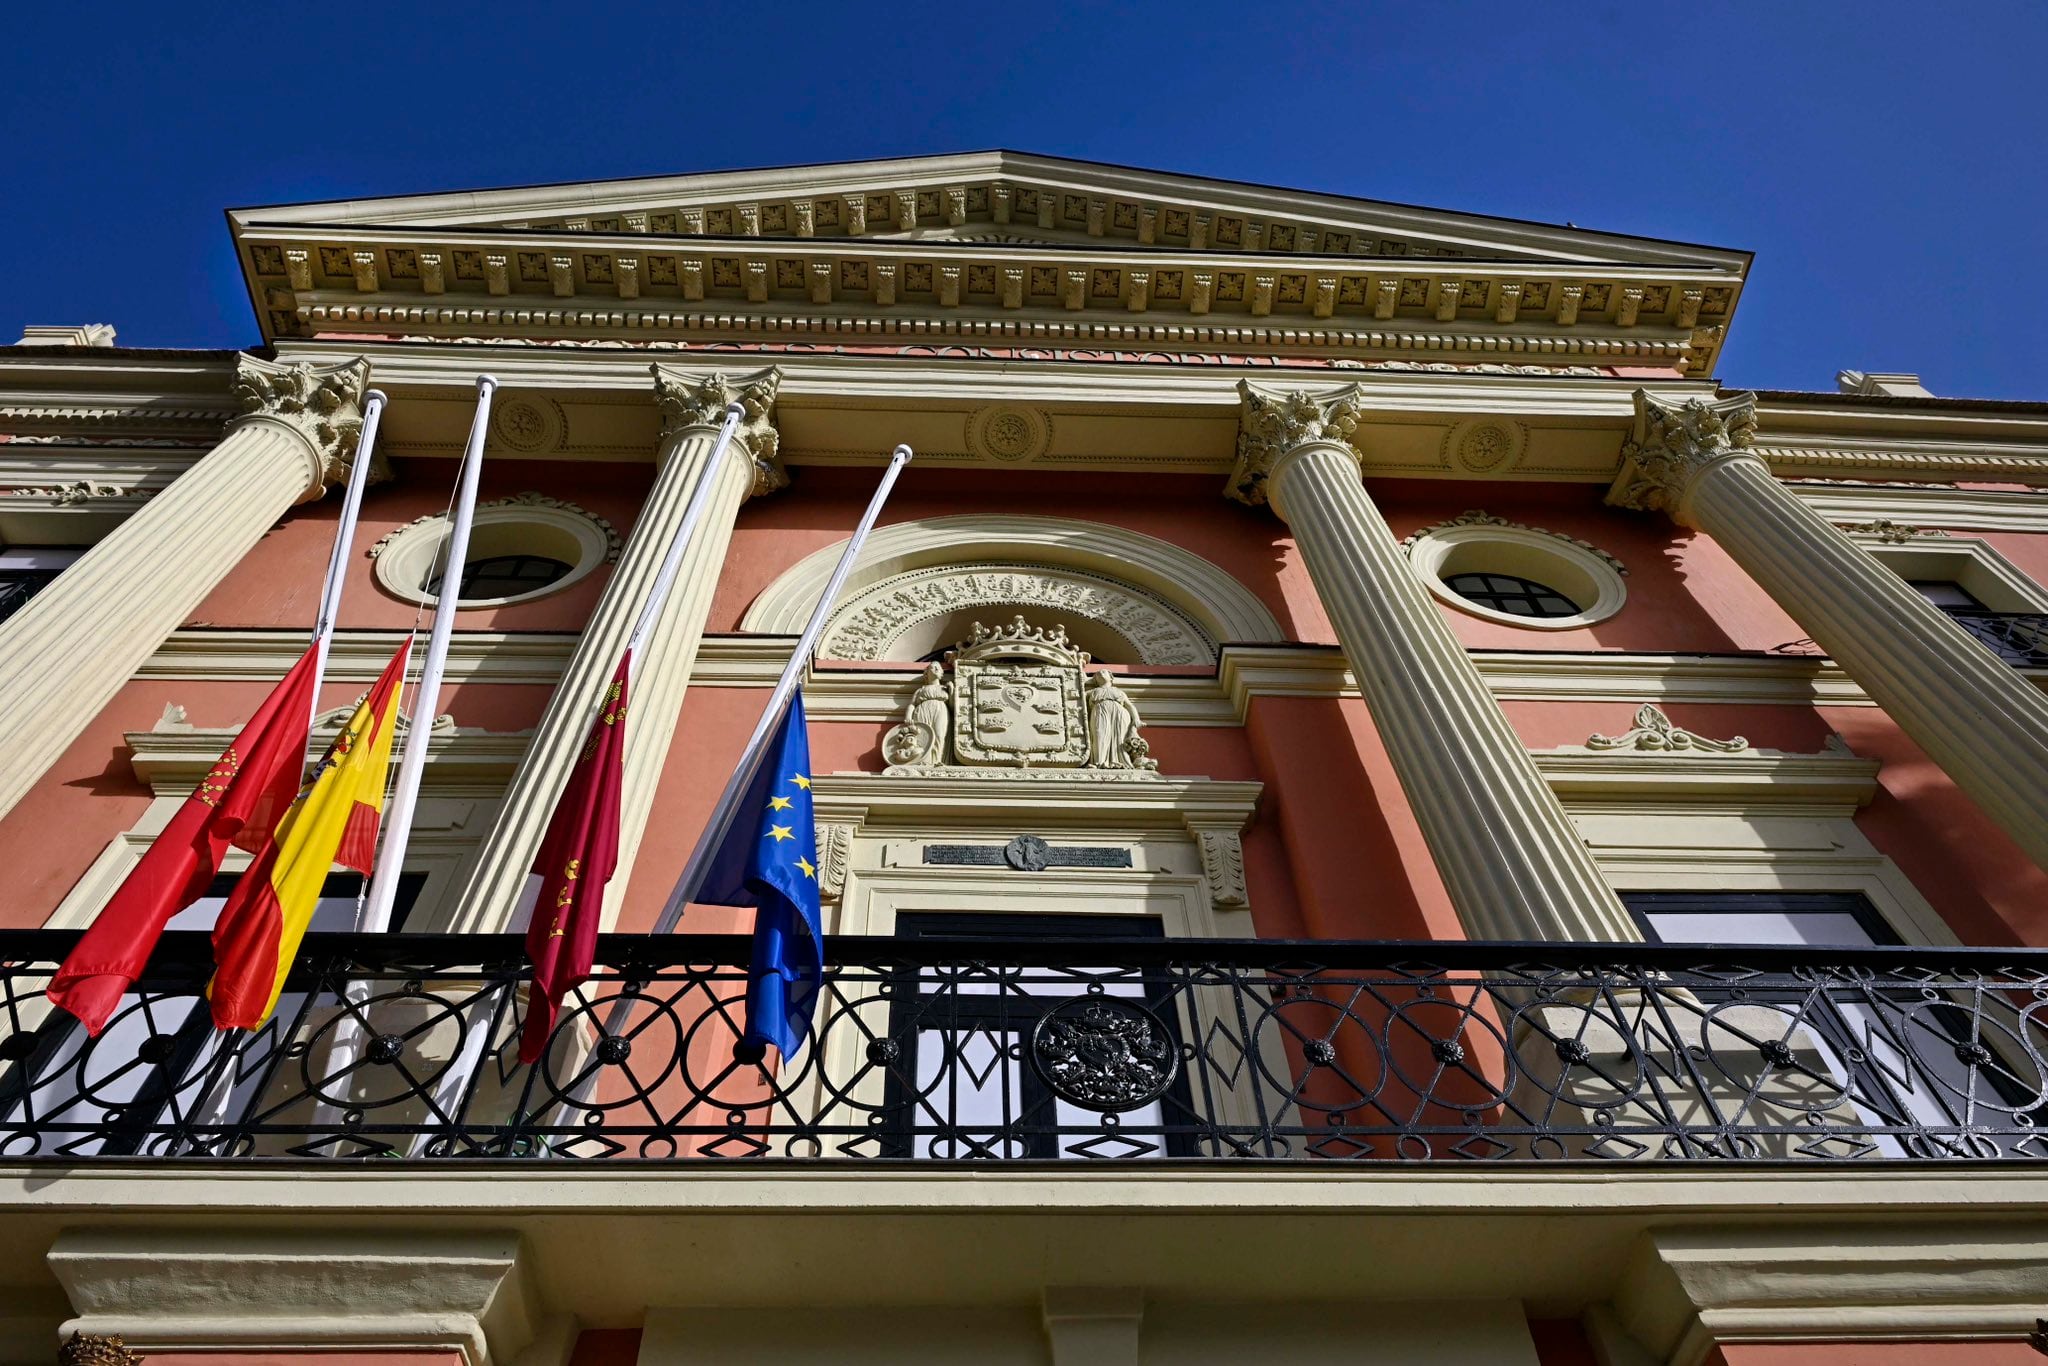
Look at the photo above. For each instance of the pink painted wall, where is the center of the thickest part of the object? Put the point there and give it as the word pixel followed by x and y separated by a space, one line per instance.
pixel 278 585
pixel 1334 850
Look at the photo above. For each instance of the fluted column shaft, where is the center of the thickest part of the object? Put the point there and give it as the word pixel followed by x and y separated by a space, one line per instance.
pixel 1974 714
pixel 1513 863
pixel 65 655
pixel 693 410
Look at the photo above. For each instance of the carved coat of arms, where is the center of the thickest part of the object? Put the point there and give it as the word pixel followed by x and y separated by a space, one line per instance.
pixel 1019 697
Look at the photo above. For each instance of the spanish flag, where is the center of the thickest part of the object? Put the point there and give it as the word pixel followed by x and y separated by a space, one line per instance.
pixel 333 821
pixel 241 798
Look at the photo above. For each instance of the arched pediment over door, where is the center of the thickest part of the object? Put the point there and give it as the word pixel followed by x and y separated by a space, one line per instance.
pixel 1123 596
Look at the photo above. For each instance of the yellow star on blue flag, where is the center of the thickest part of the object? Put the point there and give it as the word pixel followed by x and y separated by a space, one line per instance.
pixel 769 861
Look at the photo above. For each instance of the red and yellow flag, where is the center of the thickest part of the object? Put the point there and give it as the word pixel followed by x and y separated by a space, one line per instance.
pixel 238 803
pixel 577 856
pixel 333 821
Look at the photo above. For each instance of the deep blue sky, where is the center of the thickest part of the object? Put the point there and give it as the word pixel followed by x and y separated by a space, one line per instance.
pixel 1884 160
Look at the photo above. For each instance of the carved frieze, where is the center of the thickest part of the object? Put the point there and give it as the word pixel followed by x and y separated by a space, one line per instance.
pixel 1019 698
pixel 323 404
pixel 873 619
pixel 1273 423
pixel 1673 442
pixel 688 401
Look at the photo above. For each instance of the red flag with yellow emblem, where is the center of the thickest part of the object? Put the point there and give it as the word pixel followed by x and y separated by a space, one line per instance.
pixel 246 793
pixel 577 856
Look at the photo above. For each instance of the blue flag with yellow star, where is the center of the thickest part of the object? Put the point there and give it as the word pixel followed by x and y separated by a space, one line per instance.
pixel 770 861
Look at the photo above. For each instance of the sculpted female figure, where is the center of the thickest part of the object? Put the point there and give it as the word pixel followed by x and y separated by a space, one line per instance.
pixel 921 740
pixel 1112 725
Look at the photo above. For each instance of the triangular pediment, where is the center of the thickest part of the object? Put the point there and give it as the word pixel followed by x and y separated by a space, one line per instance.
pixel 1002 196
pixel 1032 249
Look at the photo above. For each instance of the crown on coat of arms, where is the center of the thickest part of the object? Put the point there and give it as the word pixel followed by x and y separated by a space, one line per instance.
pixel 1018 640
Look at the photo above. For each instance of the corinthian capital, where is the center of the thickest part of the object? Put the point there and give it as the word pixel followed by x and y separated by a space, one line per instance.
pixel 1273 422
pixel 690 400
pixel 1674 442
pixel 323 404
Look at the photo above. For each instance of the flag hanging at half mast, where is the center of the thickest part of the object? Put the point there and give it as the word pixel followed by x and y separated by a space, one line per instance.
pixel 769 860
pixel 238 802
pixel 577 857
pixel 333 821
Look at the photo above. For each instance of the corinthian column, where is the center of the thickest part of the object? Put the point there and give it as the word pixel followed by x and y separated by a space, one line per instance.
pixel 692 410
pixel 1974 714
pixel 66 654
pixel 1513 863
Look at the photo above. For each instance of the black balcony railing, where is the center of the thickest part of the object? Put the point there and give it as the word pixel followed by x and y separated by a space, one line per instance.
pixel 931 1050
pixel 2018 638
pixel 17 586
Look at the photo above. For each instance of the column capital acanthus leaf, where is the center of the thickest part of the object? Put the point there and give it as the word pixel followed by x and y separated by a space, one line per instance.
pixel 323 404
pixel 1273 422
pixel 1674 441
pixel 690 400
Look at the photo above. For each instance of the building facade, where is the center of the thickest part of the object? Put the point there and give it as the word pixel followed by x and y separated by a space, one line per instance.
pixel 1621 801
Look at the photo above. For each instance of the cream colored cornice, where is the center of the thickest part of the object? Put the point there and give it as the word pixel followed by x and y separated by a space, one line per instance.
pixel 326 279
pixel 1926 507
pixel 996 191
pixel 1046 801
pixel 842 693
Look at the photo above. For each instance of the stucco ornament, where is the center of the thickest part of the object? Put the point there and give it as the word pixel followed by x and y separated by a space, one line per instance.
pixel 323 404
pixel 1674 443
pixel 1020 700
pixel 688 401
pixel 1272 423
pixel 1654 732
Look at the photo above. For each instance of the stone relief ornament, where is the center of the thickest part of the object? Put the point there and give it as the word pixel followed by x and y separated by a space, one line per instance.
pixel 323 404
pixel 701 400
pixel 1270 424
pixel 1673 442
pixel 613 542
pixel 1890 532
pixel 1481 517
pixel 1021 699
pixel 871 620
pixel 1653 731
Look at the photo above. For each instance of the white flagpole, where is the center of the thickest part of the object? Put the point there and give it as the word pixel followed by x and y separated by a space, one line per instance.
pixel 344 540
pixel 397 823
pixel 476 1032
pixel 750 759
pixel 723 813
pixel 211 1106
pixel 693 513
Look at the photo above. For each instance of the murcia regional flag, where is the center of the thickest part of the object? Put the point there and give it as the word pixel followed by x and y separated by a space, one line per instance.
pixel 576 859
pixel 333 821
pixel 238 802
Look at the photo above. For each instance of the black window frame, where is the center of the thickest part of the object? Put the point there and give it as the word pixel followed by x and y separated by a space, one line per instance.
pixel 516 584
pixel 1493 595
pixel 911 1015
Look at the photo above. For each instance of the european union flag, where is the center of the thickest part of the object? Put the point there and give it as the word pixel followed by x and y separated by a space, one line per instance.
pixel 770 861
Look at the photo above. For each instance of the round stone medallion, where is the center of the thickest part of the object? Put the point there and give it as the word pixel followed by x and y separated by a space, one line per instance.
pixel 1011 435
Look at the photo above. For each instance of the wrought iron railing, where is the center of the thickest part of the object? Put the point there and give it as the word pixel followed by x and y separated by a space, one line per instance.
pixel 2018 638
pixel 403 1047
pixel 17 586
